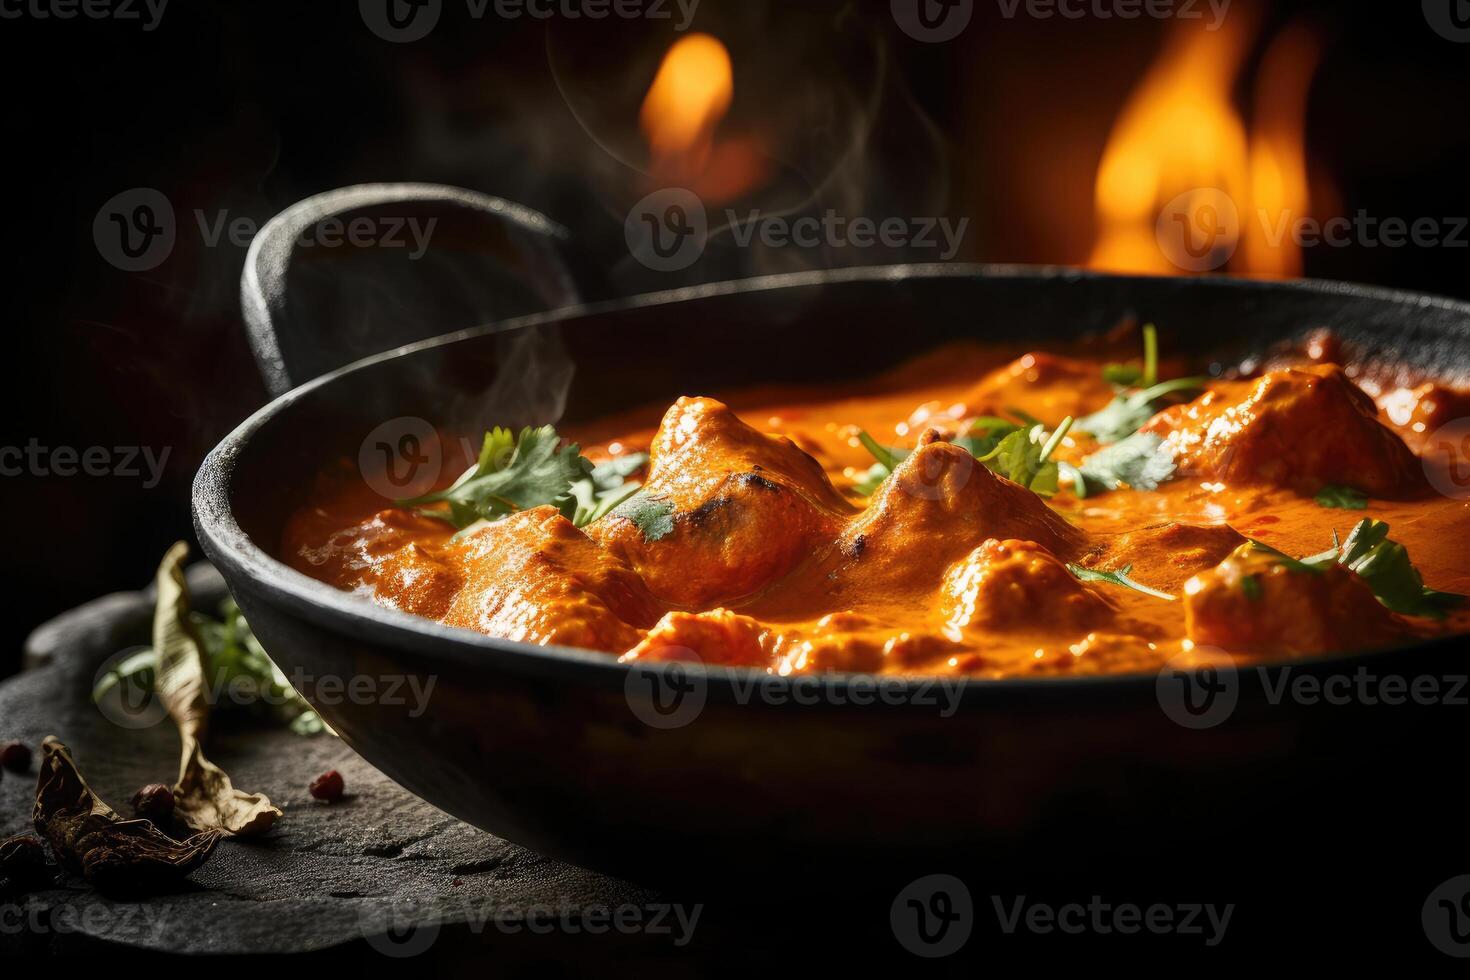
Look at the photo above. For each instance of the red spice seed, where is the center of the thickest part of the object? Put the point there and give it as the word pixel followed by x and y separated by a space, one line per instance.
pixel 16 756
pixel 328 786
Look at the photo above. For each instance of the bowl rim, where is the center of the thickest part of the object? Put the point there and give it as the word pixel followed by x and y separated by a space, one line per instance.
pixel 241 560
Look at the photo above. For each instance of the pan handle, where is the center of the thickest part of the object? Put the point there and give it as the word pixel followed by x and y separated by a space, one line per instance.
pixel 360 270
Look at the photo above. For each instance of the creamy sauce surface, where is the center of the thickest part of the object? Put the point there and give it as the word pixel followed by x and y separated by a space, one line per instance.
pixel 774 560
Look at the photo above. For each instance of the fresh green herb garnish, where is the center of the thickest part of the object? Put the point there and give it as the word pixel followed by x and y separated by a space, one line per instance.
pixel 882 454
pixel 1342 498
pixel 1366 535
pixel 605 487
pixel 1308 567
pixel 1251 586
pixel 1384 565
pixel 985 434
pixel 1119 578
pixel 1074 476
pixel 887 461
pixel 233 658
pixel 515 473
pixel 1141 391
pixel 1122 375
pixel 1139 461
pixel 1129 376
pixel 654 518
pixel 1024 457
pixel 512 474
pixel 1027 419
pixel 1127 413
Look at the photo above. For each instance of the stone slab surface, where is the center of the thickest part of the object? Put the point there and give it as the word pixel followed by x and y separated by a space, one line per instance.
pixel 376 864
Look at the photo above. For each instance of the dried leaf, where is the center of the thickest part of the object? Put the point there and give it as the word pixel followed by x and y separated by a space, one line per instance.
pixel 90 839
pixel 205 798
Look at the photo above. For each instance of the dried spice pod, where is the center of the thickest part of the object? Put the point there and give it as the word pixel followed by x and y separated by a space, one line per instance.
pixel 23 861
pixel 90 839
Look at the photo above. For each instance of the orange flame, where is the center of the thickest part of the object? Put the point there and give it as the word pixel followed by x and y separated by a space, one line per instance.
pixel 689 98
pixel 1178 132
pixel 1179 140
pixel 1279 185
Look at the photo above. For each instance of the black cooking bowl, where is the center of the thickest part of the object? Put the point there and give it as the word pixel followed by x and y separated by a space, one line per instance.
pixel 547 747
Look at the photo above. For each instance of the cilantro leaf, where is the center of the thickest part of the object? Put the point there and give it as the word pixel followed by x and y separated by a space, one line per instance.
pixel 882 454
pixel 1138 398
pixel 512 474
pixel 1122 375
pixel 653 517
pixel 1366 535
pixel 1129 376
pixel 1342 498
pixel 1326 557
pixel 1296 565
pixel 1074 476
pixel 1140 462
pixel 1019 453
pixel 1127 413
pixel 1024 457
pixel 887 461
pixel 986 432
pixel 605 487
pixel 1119 577
pixel 1385 566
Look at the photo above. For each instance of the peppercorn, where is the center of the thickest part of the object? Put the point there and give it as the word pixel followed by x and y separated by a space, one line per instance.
pixel 16 756
pixel 23 860
pixel 154 802
pixel 328 786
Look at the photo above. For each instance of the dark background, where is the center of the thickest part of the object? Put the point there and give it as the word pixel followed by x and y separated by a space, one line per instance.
pixel 247 106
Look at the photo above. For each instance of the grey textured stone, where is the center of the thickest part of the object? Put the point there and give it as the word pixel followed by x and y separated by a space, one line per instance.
pixel 326 875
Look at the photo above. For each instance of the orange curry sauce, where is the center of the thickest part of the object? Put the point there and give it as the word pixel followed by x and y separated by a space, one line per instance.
pixel 774 561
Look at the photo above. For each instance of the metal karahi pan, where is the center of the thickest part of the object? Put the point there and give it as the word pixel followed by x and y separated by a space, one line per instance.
pixel 721 771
